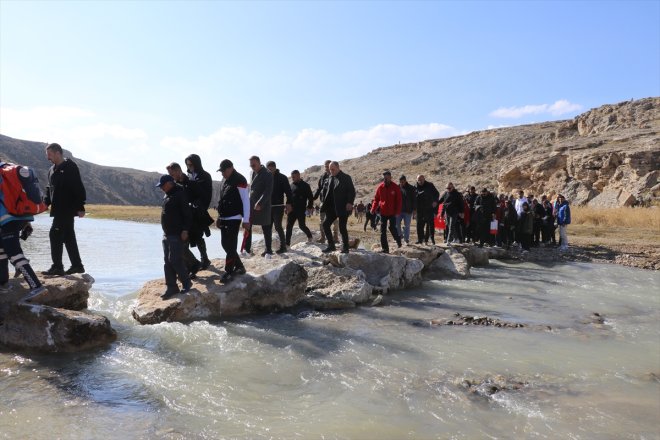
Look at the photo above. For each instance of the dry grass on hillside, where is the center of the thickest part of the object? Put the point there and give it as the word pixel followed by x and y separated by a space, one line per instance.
pixel 642 218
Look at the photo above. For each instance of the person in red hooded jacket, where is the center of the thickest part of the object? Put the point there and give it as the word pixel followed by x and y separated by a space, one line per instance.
pixel 388 199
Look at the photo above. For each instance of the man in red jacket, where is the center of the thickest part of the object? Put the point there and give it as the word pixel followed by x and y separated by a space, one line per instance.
pixel 388 199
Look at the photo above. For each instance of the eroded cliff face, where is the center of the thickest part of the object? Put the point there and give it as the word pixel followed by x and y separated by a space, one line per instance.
pixel 608 156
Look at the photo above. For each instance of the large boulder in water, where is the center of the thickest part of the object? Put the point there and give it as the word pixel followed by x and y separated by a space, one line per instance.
pixel 69 292
pixel 270 285
pixel 330 287
pixel 450 264
pixel 54 321
pixel 384 272
pixel 42 328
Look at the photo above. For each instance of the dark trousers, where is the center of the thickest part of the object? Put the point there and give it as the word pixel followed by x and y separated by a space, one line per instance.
pixel 174 267
pixel 484 232
pixel 291 219
pixel 190 261
pixel 268 238
pixel 63 235
pixel 391 219
pixel 229 239
pixel 453 234
pixel 525 241
pixel 330 217
pixel 10 250
pixel 425 227
pixel 276 221
pixel 537 232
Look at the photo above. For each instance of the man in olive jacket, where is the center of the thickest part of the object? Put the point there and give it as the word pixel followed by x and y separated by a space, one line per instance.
pixel 338 198
pixel 261 190
pixel 281 188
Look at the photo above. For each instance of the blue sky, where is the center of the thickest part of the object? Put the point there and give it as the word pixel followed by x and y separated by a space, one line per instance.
pixel 143 83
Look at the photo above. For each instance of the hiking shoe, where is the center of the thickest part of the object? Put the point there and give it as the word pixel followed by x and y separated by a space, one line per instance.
pixel 187 285
pixel 75 269
pixel 264 253
pixel 280 251
pixel 54 271
pixel 239 271
pixel 205 263
pixel 226 277
pixel 329 249
pixel 5 288
pixel 34 293
pixel 344 250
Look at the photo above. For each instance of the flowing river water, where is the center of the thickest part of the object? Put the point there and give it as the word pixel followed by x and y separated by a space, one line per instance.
pixel 369 373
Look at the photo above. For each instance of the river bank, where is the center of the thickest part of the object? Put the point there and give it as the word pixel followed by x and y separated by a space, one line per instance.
pixel 626 236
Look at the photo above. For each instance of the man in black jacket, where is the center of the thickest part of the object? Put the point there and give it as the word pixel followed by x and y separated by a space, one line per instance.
pixel 200 206
pixel 452 207
pixel 191 189
pixel 233 209
pixel 323 181
pixel 302 201
pixel 65 194
pixel 427 207
pixel 408 206
pixel 281 188
pixel 484 208
pixel 175 219
pixel 338 197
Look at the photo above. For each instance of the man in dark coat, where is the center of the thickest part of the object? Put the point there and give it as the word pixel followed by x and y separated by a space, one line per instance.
pixel 484 208
pixel 338 197
pixel 200 206
pixel 191 189
pixel 261 190
pixel 302 202
pixel 471 197
pixel 322 183
pixel 452 207
pixel 408 206
pixel 427 206
pixel 233 209
pixel 65 194
pixel 281 188
pixel 176 220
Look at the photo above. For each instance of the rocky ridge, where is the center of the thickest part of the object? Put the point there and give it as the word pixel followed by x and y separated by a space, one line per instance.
pixel 608 156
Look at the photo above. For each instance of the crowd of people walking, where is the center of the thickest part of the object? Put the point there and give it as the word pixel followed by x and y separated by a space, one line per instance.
pixel 263 200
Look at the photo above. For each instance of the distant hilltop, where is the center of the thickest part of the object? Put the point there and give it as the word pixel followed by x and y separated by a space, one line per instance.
pixel 104 184
pixel 608 156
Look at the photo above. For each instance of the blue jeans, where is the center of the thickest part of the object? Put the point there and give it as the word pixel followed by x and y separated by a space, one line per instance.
pixel 406 217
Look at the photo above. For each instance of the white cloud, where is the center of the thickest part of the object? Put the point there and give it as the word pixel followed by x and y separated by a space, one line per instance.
pixel 97 139
pixel 560 107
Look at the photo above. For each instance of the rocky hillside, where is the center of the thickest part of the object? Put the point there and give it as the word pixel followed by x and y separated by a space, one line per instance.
pixel 608 156
pixel 104 185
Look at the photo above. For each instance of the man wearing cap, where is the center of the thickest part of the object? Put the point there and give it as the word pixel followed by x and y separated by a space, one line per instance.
pixel 408 205
pixel 388 199
pixel 176 220
pixel 233 209
pixel 338 197
pixel 302 201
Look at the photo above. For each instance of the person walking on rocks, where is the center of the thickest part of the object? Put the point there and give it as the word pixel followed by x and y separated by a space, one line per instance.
pixel 408 206
pixel 281 188
pixel 176 220
pixel 321 190
pixel 11 226
pixel 427 206
pixel 233 209
pixel 261 190
pixel 338 198
pixel 563 220
pixel 484 208
pixel 302 202
pixel 452 207
pixel 388 199
pixel 200 206
pixel 65 195
pixel 526 227
pixel 191 189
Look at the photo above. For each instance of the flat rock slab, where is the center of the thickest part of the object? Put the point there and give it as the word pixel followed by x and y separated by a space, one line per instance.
pixel 270 285
pixel 69 292
pixel 42 328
